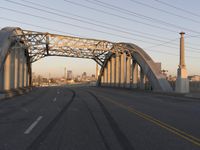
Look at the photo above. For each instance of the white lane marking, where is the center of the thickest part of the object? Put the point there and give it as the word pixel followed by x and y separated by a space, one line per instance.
pixel 58 92
pixel 30 128
pixel 54 99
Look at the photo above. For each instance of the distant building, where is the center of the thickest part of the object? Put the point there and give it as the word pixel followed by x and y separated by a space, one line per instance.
pixel 93 77
pixel 194 78
pixel 84 76
pixel 171 78
pixel 69 75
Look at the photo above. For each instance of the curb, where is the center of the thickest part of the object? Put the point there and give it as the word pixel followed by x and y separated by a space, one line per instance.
pixel 16 92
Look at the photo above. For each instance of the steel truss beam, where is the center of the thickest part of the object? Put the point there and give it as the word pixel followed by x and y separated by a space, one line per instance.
pixel 41 44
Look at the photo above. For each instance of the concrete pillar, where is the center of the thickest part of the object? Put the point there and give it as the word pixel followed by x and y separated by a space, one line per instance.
pixel 12 70
pixel 128 71
pixel 7 72
pixel 134 74
pixel 182 82
pixel 21 68
pixel 105 76
pixel 30 75
pixel 16 82
pixel 25 71
pixel 117 60
pixel 97 71
pixel 1 79
pixel 113 69
pixel 27 76
pixel 102 80
pixel 123 69
pixel 142 79
pixel 109 72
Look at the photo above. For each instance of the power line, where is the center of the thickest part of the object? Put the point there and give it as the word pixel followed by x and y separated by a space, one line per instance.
pixel 16 21
pixel 94 20
pixel 125 11
pixel 171 54
pixel 37 26
pixel 164 11
pixel 54 20
pixel 80 20
pixel 95 24
pixel 111 14
pixel 121 17
pixel 177 8
pixel 73 25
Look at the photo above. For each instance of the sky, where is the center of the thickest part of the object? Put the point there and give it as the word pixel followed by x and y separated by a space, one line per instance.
pixel 153 25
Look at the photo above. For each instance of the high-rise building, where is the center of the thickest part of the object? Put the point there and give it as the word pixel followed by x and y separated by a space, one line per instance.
pixel 84 76
pixel 65 73
pixel 69 75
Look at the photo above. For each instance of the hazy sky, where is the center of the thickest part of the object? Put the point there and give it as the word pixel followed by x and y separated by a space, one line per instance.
pixel 150 24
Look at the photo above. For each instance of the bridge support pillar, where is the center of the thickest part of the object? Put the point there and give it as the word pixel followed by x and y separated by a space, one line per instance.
pixel 21 68
pixel 134 74
pixel 25 71
pixel 123 69
pixel 128 71
pixel 117 60
pixel 27 74
pixel 97 71
pixel 16 82
pixel 1 80
pixel 102 80
pixel 7 72
pixel 113 68
pixel 142 79
pixel 12 70
pixel 105 76
pixel 109 73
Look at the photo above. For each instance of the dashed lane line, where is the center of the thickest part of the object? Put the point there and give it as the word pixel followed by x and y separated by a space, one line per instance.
pixel 33 125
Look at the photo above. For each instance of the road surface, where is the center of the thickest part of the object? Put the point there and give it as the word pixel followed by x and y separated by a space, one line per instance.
pixel 90 118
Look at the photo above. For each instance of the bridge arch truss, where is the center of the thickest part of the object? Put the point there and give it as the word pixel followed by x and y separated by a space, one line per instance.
pixel 119 61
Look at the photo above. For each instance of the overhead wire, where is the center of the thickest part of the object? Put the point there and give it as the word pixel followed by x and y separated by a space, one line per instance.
pixel 125 11
pixel 164 11
pixel 121 17
pixel 84 21
pixel 73 25
pixel 177 8
pixel 103 26
pixel 108 13
pixel 94 20
pixel 37 26
pixel 40 17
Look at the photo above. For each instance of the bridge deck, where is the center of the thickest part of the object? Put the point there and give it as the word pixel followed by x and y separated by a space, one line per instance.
pixel 98 118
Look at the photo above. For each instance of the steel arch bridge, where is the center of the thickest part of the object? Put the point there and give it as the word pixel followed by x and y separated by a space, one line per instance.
pixel 119 61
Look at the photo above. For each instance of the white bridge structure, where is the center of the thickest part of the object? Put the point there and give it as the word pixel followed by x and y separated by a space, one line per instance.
pixel 122 64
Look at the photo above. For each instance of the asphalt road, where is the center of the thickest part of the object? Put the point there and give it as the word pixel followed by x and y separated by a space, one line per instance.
pixel 89 118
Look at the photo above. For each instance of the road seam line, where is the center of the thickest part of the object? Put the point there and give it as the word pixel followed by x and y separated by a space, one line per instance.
pixel 31 127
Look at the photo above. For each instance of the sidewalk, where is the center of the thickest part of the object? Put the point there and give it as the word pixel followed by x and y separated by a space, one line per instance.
pixel 11 93
pixel 193 95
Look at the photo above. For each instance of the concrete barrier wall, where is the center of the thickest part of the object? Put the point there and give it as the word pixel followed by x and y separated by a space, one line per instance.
pixel 194 85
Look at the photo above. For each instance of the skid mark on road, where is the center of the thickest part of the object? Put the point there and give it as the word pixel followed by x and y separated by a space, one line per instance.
pixel 121 137
pixel 42 136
